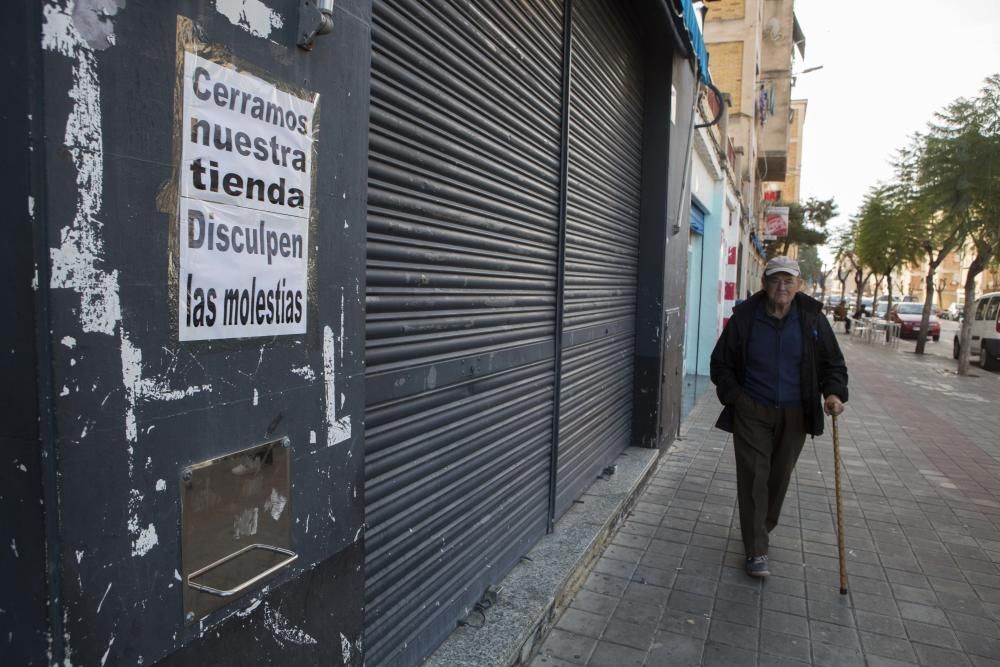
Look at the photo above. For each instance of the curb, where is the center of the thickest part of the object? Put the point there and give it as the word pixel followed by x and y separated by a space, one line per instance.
pixel 534 594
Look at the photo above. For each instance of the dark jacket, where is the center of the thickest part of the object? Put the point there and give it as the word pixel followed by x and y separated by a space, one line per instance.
pixel 823 370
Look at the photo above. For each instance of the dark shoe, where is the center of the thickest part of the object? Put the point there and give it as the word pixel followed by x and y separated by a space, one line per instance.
pixel 757 566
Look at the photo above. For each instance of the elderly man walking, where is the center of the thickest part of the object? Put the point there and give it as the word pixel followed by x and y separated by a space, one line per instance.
pixel 777 368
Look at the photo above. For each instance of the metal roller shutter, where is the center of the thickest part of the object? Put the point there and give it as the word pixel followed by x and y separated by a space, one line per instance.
pixel 602 239
pixel 462 273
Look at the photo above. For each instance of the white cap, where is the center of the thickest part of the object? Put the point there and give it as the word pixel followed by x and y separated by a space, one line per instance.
pixel 781 264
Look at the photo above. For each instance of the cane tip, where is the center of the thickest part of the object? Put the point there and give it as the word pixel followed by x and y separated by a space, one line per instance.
pixel 843 591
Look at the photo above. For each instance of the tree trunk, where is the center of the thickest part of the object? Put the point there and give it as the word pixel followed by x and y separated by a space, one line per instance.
pixel 926 316
pixel 965 333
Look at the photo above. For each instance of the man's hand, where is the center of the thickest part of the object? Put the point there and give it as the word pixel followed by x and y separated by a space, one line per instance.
pixel 833 405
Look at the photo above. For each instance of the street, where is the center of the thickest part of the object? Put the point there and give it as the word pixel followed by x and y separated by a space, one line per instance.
pixel 921 492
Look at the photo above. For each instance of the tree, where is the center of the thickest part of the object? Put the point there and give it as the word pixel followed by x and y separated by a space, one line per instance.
pixel 884 238
pixel 806 225
pixel 843 258
pixel 960 168
pixel 811 267
pixel 846 256
pixel 936 232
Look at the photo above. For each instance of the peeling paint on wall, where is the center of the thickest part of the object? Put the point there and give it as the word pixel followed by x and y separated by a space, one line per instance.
pixel 338 430
pixel 92 19
pixel 345 649
pixel 104 658
pixel 144 539
pixel 283 630
pixel 252 15
pixel 74 262
pixel 305 372
pixel 101 603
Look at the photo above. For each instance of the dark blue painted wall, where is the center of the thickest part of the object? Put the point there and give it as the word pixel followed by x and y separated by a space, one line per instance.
pixel 128 405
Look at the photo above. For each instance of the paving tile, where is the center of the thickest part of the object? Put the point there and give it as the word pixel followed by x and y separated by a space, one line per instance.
pixel 877 623
pixel 905 593
pixel 935 656
pixel 880 661
pixel 675 650
pixel 879 604
pixel 696 604
pixel 923 613
pixel 654 576
pixel 733 634
pixel 608 654
pixel 685 623
pixel 571 648
pixel 627 554
pixel 700 568
pixel 839 613
pixel 550 661
pixel 951 586
pixel 635 528
pixel 789 646
pixel 628 634
pixel 695 584
pixel 639 591
pixel 886 646
pixel 830 633
pixel 828 655
pixel 976 624
pixel 931 634
pixel 785 603
pixel 665 547
pixel 673 535
pixel 639 614
pixel 785 586
pixel 907 578
pixel 785 623
pixel 737 593
pixel 615 568
pixel 605 584
pixel 582 623
pixel 723 655
pixel 630 540
pixel 736 612
pixel 988 647
pixel 594 603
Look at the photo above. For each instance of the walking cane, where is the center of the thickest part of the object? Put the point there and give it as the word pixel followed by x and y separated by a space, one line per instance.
pixel 840 508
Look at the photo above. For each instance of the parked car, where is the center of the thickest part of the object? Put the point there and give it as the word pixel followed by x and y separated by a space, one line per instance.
pixel 985 332
pixel 954 311
pixel 909 316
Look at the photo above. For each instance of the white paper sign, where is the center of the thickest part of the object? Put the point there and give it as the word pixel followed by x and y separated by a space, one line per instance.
pixel 245 197
pixel 241 275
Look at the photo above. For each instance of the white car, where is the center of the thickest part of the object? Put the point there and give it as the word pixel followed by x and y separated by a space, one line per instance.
pixel 985 332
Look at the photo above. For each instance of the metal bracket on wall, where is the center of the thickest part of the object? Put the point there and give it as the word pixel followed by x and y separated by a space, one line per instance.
pixel 315 18
pixel 249 582
pixel 235 525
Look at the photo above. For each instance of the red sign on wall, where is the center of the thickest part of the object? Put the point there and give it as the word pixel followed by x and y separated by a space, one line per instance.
pixel 776 221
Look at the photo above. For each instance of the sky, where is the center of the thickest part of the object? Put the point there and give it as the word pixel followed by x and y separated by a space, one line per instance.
pixel 887 66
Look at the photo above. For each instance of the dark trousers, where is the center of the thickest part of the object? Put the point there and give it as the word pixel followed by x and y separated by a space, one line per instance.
pixel 767 442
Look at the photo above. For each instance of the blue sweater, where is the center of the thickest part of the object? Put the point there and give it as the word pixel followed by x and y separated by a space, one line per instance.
pixel 774 359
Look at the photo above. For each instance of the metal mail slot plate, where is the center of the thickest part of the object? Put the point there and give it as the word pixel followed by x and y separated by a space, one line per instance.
pixel 235 525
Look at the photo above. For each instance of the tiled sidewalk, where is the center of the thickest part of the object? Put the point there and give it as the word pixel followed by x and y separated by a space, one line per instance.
pixel 921 452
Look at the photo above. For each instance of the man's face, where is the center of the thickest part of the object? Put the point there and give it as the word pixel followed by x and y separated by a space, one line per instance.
pixel 781 288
